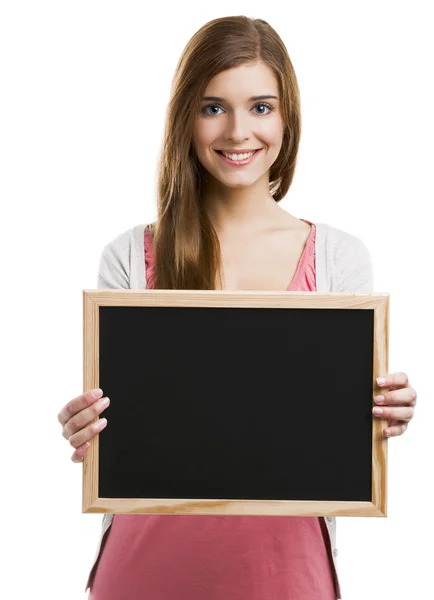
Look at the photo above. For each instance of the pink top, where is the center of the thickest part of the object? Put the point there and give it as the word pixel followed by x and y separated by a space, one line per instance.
pixel 221 557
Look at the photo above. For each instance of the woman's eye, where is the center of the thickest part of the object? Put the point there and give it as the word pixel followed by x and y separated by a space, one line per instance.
pixel 209 106
pixel 266 105
pixel 205 108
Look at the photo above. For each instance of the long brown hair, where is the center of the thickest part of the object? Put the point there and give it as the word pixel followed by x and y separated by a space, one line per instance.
pixel 185 244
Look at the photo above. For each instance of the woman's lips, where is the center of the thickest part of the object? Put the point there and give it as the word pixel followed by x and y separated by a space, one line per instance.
pixel 238 163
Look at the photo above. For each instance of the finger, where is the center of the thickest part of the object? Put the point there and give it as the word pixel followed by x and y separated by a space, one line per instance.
pixel 399 379
pixel 395 430
pixel 80 453
pixel 86 434
pixel 404 396
pixel 84 417
pixel 404 413
pixel 77 404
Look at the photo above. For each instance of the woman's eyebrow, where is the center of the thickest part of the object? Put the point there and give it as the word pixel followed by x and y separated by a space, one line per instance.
pixel 252 99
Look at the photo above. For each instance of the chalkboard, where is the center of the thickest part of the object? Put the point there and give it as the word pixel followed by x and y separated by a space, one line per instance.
pixel 238 402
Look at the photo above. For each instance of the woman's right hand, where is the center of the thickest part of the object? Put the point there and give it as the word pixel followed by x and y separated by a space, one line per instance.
pixel 75 417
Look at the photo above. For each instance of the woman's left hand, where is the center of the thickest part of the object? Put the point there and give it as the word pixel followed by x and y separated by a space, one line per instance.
pixel 397 404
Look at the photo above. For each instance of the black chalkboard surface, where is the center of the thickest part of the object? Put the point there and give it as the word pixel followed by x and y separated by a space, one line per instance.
pixel 238 402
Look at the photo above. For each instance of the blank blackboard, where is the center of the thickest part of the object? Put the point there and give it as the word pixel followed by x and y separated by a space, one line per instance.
pixel 236 402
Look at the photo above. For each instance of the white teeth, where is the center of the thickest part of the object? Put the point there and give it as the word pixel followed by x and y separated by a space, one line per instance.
pixel 238 156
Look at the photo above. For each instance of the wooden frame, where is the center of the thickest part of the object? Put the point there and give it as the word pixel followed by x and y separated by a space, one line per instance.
pixel 377 302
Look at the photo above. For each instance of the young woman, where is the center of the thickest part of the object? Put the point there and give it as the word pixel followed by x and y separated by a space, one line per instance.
pixel 228 158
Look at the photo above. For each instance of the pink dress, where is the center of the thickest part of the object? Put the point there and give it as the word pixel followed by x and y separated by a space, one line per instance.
pixel 221 557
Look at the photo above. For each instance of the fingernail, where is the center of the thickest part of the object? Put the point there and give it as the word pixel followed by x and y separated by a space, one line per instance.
pixel 379 399
pixel 381 380
pixel 97 393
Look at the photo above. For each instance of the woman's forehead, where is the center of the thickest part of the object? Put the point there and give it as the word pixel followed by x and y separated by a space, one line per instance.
pixel 243 82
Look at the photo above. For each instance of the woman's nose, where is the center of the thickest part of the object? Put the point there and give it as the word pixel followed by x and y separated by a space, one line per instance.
pixel 237 128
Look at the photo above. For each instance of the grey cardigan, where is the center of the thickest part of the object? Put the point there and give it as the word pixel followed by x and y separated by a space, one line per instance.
pixel 342 262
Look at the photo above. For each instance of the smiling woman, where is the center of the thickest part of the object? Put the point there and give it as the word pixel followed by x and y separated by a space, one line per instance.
pixel 228 157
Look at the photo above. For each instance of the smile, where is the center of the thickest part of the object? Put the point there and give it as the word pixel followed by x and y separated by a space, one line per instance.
pixel 238 162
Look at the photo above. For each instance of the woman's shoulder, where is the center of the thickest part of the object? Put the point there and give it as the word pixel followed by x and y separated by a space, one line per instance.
pixel 334 236
pixel 121 259
pixel 345 257
pixel 127 237
pixel 129 241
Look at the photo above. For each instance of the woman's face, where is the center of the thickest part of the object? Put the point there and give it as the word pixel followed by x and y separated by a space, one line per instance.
pixel 236 122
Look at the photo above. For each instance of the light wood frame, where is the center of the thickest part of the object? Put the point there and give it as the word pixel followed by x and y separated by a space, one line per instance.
pixel 378 302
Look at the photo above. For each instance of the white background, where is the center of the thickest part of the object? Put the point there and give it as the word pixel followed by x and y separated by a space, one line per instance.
pixel 84 87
